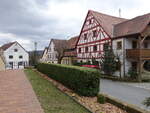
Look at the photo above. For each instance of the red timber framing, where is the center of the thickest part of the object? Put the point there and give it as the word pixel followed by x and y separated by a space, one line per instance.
pixel 87 39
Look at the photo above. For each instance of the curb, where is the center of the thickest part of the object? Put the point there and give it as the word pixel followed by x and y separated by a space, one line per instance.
pixel 123 105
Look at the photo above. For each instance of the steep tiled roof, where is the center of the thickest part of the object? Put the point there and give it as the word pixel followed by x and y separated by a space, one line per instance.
pixel 70 51
pixel 132 26
pixel 6 46
pixel 72 42
pixel 107 21
pixel 60 43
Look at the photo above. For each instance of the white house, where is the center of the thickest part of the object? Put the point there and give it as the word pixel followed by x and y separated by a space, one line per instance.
pixel 15 55
pixel 131 43
pixel 56 50
pixel 44 55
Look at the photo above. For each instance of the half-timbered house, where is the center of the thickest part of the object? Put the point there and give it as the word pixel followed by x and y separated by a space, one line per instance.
pixel 55 50
pixel 70 54
pixel 97 31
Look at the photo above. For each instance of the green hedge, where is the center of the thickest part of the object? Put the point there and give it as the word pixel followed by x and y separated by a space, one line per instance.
pixel 84 81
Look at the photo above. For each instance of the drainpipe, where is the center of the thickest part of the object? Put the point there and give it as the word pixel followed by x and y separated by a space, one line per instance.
pixel 124 52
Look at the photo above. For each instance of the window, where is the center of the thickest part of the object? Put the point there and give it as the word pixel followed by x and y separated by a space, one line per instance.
pixel 134 44
pixel 79 50
pixel 15 50
pixel 145 45
pixel 94 33
pixel 85 36
pixel 119 45
pixel 20 63
pixel 106 46
pixel 20 57
pixel 10 57
pixel 11 63
pixel 86 49
pixel 95 48
pixel 90 21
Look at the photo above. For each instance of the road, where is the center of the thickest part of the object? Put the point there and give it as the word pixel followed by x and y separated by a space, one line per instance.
pixel 125 92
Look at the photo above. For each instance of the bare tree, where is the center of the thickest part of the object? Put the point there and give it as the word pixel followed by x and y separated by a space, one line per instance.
pixel 60 47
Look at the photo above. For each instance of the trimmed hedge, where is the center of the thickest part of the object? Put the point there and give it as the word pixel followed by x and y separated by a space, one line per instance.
pixel 84 81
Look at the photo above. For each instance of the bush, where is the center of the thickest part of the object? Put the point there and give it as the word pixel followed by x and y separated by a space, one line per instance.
pixel 101 99
pixel 147 102
pixel 83 81
pixel 133 74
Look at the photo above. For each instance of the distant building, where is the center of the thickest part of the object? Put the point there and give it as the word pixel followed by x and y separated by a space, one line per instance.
pixel 44 55
pixel 56 50
pixel 15 55
pixel 70 55
pixel 35 56
pixel 2 61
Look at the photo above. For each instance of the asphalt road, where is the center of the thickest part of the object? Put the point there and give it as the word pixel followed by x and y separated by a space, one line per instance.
pixel 125 92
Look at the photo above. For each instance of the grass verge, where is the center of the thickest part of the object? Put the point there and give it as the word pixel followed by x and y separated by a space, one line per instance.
pixel 52 100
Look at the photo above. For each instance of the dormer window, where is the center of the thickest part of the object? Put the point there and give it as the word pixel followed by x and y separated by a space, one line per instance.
pixel 15 50
pixel 85 36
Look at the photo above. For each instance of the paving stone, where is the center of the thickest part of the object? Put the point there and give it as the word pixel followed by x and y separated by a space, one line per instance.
pixel 16 93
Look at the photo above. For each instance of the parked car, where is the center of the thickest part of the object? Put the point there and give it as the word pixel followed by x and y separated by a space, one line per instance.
pixel 91 66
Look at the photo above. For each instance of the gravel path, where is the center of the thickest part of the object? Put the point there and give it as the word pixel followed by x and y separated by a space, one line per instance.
pixel 125 92
pixel 16 93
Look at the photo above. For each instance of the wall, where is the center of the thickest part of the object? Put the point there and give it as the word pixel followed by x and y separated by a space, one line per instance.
pixel 2 64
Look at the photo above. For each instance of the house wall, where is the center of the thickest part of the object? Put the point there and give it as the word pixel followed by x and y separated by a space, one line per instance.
pixel 15 60
pixel 68 60
pixel 125 62
pixel 51 55
pixel 44 57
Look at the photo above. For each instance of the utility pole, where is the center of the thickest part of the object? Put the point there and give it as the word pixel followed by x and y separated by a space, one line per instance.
pixel 119 12
pixel 35 53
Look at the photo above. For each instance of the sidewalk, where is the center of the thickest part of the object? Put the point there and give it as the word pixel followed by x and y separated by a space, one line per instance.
pixel 16 93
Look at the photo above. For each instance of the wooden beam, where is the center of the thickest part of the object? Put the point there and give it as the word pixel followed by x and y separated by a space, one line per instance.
pixel 144 38
pixel 140 60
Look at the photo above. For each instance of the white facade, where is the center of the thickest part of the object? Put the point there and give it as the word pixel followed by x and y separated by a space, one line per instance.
pixel 51 54
pixel 126 43
pixel 44 56
pixel 16 57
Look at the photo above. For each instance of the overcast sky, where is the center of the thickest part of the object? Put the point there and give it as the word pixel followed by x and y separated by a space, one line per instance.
pixel 27 21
